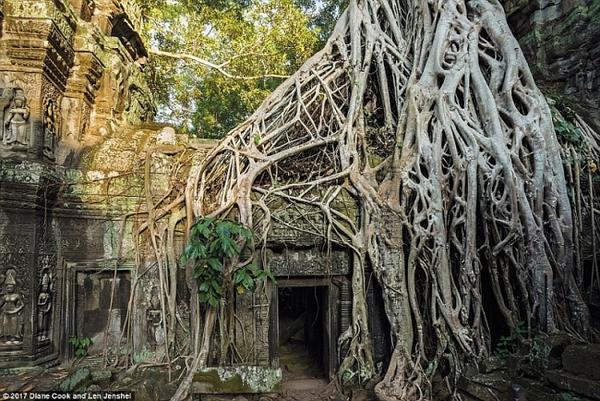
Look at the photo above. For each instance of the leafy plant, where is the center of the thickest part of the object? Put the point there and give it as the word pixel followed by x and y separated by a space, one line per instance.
pixel 569 131
pixel 212 243
pixel 81 345
pixel 142 356
pixel 539 354
pixel 563 114
pixel 567 396
pixel 509 344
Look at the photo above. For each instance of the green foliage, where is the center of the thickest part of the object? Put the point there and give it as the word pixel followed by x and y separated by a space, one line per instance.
pixel 323 15
pixel 212 243
pixel 539 354
pixel 567 396
pixel 563 115
pixel 351 377
pixel 249 37
pixel 509 344
pixel 569 132
pixel 81 345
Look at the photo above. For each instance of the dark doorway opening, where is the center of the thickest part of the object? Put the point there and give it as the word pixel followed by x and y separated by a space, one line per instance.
pixel 94 317
pixel 303 333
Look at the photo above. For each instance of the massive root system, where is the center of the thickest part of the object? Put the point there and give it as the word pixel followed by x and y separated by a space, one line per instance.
pixel 425 114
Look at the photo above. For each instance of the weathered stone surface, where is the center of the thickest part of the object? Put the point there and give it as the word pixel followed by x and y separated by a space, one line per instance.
pixel 557 344
pixel 536 390
pixel 491 364
pixel 148 385
pixel 75 380
pixel 71 78
pixel 582 360
pixel 94 388
pixel 236 380
pixel 485 387
pixel 559 40
pixel 307 262
pixel 578 384
pixel 101 375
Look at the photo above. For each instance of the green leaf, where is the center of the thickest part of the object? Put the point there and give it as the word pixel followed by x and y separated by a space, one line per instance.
pixel 248 283
pixel 246 233
pixel 216 287
pixel 238 278
pixel 213 302
pixel 215 264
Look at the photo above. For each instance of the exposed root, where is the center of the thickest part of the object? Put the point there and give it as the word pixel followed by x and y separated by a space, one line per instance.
pixel 418 141
pixel 425 114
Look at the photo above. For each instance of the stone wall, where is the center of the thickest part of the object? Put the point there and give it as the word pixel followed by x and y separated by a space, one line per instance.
pixel 71 86
pixel 559 39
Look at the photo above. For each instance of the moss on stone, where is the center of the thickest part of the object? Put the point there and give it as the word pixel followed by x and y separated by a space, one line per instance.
pixel 237 380
pixel 231 385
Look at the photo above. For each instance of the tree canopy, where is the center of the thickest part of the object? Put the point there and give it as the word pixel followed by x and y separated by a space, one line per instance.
pixel 248 47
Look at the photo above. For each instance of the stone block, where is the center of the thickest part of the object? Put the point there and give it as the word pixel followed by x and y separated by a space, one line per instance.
pixel 583 360
pixel 75 380
pixel 492 364
pixel 236 380
pixel 102 375
pixel 577 384
pixel 485 387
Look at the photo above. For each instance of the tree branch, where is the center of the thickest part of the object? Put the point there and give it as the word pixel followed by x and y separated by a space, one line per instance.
pixel 208 64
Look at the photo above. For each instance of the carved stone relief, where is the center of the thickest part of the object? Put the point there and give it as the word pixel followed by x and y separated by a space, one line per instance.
pixel 44 306
pixel 154 321
pixel 15 115
pixel 50 129
pixel 11 310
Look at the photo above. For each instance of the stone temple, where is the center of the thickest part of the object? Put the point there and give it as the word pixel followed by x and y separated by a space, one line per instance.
pixel 76 116
pixel 71 78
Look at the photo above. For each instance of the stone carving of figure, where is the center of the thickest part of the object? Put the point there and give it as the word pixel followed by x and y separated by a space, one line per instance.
pixel 11 311
pixel 6 95
pixel 154 321
pixel 50 130
pixel 16 123
pixel 44 306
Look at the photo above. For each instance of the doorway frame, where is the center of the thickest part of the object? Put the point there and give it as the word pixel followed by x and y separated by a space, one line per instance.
pixel 71 270
pixel 331 318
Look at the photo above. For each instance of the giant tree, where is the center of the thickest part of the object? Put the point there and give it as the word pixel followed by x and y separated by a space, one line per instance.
pixel 425 114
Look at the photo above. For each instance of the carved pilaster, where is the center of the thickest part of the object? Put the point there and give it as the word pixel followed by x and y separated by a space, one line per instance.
pixel 49 27
pixel 83 8
pixel 44 306
pixel 28 259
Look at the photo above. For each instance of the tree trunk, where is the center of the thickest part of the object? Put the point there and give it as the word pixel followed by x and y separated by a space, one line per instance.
pixel 426 114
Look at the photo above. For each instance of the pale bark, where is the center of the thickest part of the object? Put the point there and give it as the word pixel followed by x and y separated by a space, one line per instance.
pixel 426 113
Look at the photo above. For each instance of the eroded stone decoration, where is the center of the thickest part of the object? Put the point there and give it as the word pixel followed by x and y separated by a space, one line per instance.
pixel 154 321
pixel 53 111
pixel 44 306
pixel 50 130
pixel 11 311
pixel 15 113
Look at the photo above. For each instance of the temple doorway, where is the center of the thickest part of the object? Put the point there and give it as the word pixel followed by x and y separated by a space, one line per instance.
pixel 301 330
pixel 306 327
